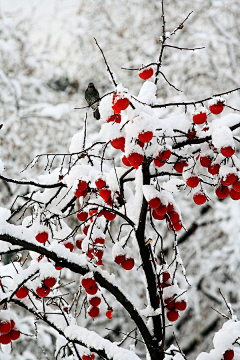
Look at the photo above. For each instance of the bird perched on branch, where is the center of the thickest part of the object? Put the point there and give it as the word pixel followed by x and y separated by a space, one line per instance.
pixel 93 99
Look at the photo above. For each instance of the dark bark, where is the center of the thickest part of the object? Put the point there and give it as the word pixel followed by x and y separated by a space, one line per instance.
pixel 148 269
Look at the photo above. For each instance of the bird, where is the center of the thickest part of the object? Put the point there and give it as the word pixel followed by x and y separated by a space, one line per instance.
pixel 93 99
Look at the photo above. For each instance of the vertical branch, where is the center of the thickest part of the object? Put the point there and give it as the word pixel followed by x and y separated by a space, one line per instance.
pixel 149 269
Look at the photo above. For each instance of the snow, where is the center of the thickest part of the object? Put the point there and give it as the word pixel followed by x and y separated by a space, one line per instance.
pixel 147 93
pixel 93 341
pixel 222 137
pixel 77 142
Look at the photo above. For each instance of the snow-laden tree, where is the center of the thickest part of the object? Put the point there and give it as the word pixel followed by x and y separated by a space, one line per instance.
pixel 143 269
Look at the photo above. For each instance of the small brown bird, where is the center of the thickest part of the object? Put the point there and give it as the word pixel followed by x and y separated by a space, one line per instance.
pixel 93 99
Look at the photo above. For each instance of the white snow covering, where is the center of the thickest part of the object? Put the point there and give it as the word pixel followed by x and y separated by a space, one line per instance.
pixel 147 93
pixel 222 137
pixel 77 142
pixel 223 340
pixel 92 339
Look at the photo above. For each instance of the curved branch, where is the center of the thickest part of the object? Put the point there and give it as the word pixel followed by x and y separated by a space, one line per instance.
pixel 74 266
pixel 33 183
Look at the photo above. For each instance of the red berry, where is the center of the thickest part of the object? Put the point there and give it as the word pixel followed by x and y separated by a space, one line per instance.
pixel 172 315
pixel 192 181
pixel 114 118
pixel 159 163
pixel 177 226
pixel 135 159
pixel 99 254
pixel 86 357
pixel 79 243
pixel 118 143
pixel 5 339
pixel 141 144
pixel 199 198
pixel 119 259
pixel 12 324
pixel 15 334
pixel 109 314
pixel 216 108
pixel 5 327
pixel 200 118
pixel 88 282
pixel 214 169
pixel 165 276
pixel 228 355
pixel 170 303
pixel 156 216
pixel 205 161
pixel 69 245
pixel 125 161
pixel 145 73
pixel 105 194
pixel 191 134
pixel 180 165
pixel 99 240
pixel 82 185
pixel 100 183
pixel 95 301
pixel 85 229
pixel 93 311
pixel 222 191
pixel 92 356
pixel 174 217
pixel 227 151
pixel 235 195
pixel 109 215
pixel 229 179
pixel 92 290
pixel 42 237
pixel 161 210
pixel 154 203
pixel 127 264
pixel 80 193
pixel 145 136
pixel 43 291
pixel 21 293
pixel 236 186
pixel 162 157
pixel 82 216
pixel 120 104
pixel 170 208
pixel 180 305
pixel 50 282
pixel 58 267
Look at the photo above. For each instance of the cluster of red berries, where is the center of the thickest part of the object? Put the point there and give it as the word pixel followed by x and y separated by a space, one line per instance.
pixel 91 288
pixel 8 331
pixel 41 291
pixel 162 209
pixel 173 303
pixel 126 263
pixel 123 256
pixel 42 237
pixel 47 284
pixel 82 189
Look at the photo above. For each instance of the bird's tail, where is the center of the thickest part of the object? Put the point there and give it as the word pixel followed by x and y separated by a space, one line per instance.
pixel 96 114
